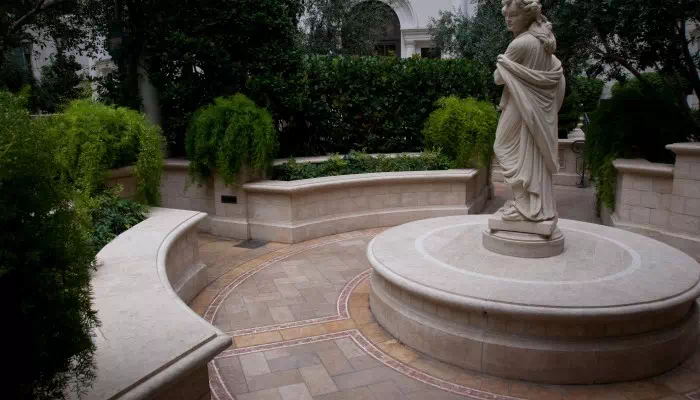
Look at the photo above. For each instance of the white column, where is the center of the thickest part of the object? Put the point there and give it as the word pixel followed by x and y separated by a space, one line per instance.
pixel 410 47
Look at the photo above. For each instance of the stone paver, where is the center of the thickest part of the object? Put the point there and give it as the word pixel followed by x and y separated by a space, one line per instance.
pixel 294 338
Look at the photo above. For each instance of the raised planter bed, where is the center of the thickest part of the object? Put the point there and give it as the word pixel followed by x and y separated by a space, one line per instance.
pixel 659 197
pixel 294 211
pixel 151 344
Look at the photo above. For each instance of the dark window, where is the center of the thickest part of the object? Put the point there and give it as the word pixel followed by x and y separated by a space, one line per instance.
pixel 430 52
pixel 385 50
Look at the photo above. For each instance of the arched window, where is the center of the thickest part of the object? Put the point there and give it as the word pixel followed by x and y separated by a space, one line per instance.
pixel 373 29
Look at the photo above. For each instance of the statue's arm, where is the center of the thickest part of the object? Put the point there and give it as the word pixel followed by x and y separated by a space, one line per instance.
pixel 515 53
pixel 498 78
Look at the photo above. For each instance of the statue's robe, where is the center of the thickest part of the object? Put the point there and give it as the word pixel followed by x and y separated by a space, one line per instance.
pixel 526 143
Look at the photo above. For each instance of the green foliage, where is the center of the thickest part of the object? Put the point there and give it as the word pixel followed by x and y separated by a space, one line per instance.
pixel 14 71
pixel 196 51
pixel 227 134
pixel 45 260
pixel 112 215
pixel 360 163
pixel 378 104
pixel 95 138
pixel 637 122
pixel 60 83
pixel 464 129
pixel 71 24
pixel 583 96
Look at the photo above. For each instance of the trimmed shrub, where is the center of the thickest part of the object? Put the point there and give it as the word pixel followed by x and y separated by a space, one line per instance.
pixel 379 104
pixel 225 135
pixel 637 122
pixel 464 129
pixel 95 138
pixel 45 260
pixel 360 163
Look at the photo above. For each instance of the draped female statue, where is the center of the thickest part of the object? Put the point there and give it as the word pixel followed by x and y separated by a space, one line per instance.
pixel 526 139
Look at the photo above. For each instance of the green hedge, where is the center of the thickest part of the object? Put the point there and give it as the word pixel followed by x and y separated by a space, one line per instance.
pixel 637 122
pixel 360 163
pixel 379 104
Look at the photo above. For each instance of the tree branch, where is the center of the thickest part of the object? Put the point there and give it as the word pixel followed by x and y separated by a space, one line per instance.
pixel 610 55
pixel 691 71
pixel 41 5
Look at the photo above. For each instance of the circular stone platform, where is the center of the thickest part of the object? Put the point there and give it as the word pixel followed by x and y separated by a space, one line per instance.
pixel 613 306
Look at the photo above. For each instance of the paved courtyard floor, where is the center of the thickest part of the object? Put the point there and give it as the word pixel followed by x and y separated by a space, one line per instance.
pixel 302 329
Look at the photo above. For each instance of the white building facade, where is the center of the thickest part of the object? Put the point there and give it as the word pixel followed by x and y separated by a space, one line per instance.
pixel 416 15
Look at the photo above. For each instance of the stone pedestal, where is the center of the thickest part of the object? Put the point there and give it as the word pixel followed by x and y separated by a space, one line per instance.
pixel 614 306
pixel 525 239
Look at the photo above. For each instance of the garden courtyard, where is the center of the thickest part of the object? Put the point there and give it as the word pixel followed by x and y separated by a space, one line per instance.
pixel 302 328
pixel 356 199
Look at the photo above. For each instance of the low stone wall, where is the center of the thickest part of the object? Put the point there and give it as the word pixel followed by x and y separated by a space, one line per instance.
pixel 659 197
pixel 123 176
pixel 570 165
pixel 295 211
pixel 150 344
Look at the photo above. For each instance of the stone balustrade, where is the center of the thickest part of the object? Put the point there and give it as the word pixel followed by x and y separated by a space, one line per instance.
pixel 659 197
pixel 570 165
pixel 291 212
pixel 150 343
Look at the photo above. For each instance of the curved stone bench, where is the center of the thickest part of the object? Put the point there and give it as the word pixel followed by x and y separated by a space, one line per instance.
pixel 295 211
pixel 150 343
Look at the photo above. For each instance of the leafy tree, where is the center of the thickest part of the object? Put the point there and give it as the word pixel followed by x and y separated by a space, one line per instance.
pixel 483 36
pixel 14 73
pixel 46 255
pixel 60 83
pixel 195 51
pixel 68 22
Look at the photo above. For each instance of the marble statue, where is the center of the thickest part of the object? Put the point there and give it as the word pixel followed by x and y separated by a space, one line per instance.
pixel 526 140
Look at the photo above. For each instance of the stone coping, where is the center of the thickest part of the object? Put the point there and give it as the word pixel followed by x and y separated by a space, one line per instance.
pixel 570 141
pixel 125 172
pixel 176 163
pixel 344 181
pixel 688 148
pixel 148 338
pixel 643 167
pixel 654 277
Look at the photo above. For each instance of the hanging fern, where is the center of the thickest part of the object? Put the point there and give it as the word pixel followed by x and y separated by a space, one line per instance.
pixel 225 135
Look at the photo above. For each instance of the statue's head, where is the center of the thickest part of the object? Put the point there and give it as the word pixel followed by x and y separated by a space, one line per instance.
pixel 526 15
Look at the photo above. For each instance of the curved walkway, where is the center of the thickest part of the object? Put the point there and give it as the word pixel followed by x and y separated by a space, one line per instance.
pixel 302 329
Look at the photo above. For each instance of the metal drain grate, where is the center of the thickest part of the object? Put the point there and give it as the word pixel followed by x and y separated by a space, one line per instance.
pixel 251 244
